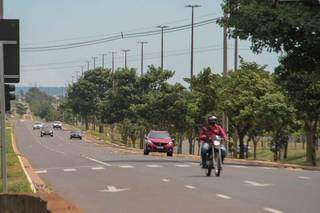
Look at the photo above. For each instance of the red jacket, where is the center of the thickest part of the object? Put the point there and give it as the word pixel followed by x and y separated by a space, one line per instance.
pixel 208 132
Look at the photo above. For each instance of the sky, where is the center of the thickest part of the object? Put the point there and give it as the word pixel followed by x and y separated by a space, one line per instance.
pixel 48 22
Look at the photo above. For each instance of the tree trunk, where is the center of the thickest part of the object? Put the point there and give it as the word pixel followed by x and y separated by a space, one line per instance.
pixel 112 133
pixel 241 141
pixel 310 129
pixel 190 144
pixel 101 128
pixel 285 153
pixel 255 150
pixel 235 143
pixel 87 123
pixel 180 139
pixel 141 138
pixel 247 149
pixel 199 144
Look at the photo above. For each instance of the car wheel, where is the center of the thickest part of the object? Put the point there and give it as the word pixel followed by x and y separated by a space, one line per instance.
pixel 70 138
pixel 145 152
pixel 169 154
pixel 41 135
pixel 80 138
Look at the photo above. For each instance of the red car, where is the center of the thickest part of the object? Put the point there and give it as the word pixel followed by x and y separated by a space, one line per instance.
pixel 158 141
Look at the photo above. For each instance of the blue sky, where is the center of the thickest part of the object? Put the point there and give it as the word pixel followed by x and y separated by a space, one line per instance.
pixel 43 22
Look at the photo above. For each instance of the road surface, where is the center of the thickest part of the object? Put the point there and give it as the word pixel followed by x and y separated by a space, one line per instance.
pixel 103 179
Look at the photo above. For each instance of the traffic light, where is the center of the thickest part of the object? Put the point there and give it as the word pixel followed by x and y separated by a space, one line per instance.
pixel 9 95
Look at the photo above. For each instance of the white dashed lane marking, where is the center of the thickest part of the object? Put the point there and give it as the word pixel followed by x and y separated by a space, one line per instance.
pixel 41 171
pixel 189 187
pixel 166 180
pixel 182 165
pixel 69 170
pixel 304 177
pixel 126 167
pixel 236 166
pixel 272 210
pixel 224 196
pixel 257 184
pixel 98 161
pixel 97 168
pixel 154 166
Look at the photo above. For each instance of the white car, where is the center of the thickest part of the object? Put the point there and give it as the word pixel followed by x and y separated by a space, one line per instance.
pixel 37 125
pixel 57 125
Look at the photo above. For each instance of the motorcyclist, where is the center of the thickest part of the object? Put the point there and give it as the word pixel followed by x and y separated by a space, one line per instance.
pixel 206 134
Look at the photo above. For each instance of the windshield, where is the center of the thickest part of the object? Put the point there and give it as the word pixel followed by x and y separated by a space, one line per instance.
pixel 159 135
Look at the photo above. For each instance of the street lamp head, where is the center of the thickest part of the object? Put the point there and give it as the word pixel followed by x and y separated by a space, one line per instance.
pixel 126 50
pixel 162 26
pixel 193 5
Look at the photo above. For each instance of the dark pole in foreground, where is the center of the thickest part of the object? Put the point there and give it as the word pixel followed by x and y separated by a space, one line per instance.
pixel 192 36
pixel 125 57
pixel 142 44
pixel 162 27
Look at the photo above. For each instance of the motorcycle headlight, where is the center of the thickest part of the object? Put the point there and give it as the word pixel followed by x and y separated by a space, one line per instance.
pixel 149 141
pixel 216 143
pixel 170 143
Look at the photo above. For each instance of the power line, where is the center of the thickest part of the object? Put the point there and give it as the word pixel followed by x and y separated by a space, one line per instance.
pixel 185 52
pixel 114 38
pixel 117 33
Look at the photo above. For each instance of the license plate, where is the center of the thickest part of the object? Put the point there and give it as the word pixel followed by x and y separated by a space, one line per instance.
pixel 159 147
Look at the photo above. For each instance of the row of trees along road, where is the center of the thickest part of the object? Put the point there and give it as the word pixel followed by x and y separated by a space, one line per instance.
pixel 135 104
pixel 256 102
pixel 291 29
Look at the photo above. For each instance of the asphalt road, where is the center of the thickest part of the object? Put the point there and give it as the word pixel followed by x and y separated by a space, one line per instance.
pixel 103 179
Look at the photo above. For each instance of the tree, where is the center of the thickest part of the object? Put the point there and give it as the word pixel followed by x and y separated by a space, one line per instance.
pixel 21 108
pixel 291 29
pixel 241 95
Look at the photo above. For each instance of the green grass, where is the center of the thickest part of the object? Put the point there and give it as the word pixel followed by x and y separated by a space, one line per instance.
pixel 296 154
pixel 17 181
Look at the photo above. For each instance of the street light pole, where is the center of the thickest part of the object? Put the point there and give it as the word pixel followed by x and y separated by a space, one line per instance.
pixel 142 44
pixel 162 27
pixel 192 36
pixel 125 57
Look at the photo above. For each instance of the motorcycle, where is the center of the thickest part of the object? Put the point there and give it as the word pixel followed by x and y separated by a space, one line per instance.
pixel 213 157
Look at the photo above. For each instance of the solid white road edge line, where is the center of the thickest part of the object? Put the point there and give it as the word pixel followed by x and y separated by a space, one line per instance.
pixel 224 196
pixel 98 161
pixel 33 188
pixel 272 210
pixel 189 187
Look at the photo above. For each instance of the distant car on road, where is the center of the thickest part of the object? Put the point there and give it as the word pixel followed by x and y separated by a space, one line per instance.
pixel 57 125
pixel 158 141
pixel 76 134
pixel 46 131
pixel 37 125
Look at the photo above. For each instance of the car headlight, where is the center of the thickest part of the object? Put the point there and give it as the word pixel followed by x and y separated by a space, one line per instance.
pixel 149 141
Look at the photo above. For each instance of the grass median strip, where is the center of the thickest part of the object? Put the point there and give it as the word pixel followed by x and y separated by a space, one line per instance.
pixel 17 181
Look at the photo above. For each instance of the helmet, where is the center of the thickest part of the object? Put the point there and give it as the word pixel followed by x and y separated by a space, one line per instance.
pixel 212 120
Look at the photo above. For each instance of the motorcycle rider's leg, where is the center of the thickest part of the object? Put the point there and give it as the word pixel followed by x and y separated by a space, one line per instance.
pixel 223 152
pixel 204 149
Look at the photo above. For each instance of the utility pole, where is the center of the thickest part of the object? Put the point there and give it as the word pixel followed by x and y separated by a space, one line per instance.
pixel 162 27
pixel 192 35
pixel 94 62
pixel 125 57
pixel 236 54
pixel 88 65
pixel 142 44
pixel 112 69
pixel 77 75
pixel 103 55
pixel 3 114
pixel 72 79
pixel 81 70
